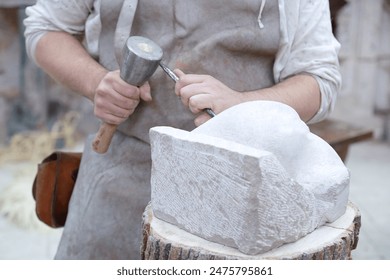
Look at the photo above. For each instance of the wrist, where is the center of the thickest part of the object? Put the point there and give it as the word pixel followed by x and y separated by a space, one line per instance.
pixel 257 95
pixel 97 77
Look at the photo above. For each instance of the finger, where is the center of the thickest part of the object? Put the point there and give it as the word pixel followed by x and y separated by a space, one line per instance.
pixel 124 102
pixel 109 118
pixel 198 103
pixel 120 112
pixel 111 96
pixel 114 81
pixel 186 79
pixel 145 92
pixel 201 119
pixel 191 90
pixel 126 90
pixel 107 100
pixel 190 85
pixel 179 73
pixel 113 114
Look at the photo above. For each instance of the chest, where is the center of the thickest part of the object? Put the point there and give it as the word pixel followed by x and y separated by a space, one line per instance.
pixel 197 20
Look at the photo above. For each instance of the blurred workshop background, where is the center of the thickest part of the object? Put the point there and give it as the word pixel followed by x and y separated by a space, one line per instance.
pixel 38 116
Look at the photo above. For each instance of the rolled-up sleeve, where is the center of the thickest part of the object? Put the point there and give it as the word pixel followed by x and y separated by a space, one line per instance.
pixel 310 47
pixel 47 15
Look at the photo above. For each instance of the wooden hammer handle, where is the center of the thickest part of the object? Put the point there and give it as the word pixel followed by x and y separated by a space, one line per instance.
pixel 102 140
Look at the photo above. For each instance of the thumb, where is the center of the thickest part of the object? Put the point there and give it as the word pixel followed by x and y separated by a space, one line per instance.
pixel 145 93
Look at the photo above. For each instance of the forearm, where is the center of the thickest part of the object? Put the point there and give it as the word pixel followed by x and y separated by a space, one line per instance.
pixel 64 58
pixel 300 92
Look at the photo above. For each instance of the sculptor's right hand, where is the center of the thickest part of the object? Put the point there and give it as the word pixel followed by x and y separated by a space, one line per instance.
pixel 115 100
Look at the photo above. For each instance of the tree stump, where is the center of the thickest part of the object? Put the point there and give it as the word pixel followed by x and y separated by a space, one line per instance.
pixel 335 241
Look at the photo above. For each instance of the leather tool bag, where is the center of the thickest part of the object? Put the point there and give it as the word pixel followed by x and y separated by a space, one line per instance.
pixel 53 187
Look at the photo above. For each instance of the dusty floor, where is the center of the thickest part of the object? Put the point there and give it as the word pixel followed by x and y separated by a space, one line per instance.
pixel 369 163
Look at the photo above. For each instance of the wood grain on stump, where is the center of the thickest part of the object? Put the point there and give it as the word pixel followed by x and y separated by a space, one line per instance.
pixel 164 241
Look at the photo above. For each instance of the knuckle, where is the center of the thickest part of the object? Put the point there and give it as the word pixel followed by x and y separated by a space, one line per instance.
pixel 133 90
pixel 181 82
pixel 192 102
pixel 99 104
pixel 127 104
pixel 96 113
pixel 100 93
pixel 110 76
pixel 130 112
pixel 130 104
pixel 185 94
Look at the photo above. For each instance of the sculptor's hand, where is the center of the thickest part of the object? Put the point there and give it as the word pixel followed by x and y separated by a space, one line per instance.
pixel 198 92
pixel 115 100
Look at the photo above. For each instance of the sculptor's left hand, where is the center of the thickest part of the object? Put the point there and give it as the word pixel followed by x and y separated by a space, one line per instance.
pixel 198 92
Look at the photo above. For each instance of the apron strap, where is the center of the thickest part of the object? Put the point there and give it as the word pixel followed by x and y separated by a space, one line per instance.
pixel 116 17
pixel 123 28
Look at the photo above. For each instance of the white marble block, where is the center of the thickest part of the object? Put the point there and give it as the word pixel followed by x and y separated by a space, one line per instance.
pixel 252 178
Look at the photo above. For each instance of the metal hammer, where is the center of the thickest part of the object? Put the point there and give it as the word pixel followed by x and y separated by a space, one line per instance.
pixel 140 59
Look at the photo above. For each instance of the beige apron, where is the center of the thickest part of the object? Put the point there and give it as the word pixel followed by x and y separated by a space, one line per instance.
pixel 219 38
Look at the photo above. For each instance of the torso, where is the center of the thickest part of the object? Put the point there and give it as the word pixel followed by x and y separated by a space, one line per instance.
pixel 218 38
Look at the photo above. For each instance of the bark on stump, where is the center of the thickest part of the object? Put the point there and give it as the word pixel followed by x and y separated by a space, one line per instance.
pixel 164 241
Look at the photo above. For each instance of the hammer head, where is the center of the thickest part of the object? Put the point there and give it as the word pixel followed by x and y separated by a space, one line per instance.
pixel 140 59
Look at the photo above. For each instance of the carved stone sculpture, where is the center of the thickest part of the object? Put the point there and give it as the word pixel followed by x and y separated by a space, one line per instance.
pixel 253 178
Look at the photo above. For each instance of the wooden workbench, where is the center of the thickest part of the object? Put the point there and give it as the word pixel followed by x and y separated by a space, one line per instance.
pixel 340 134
